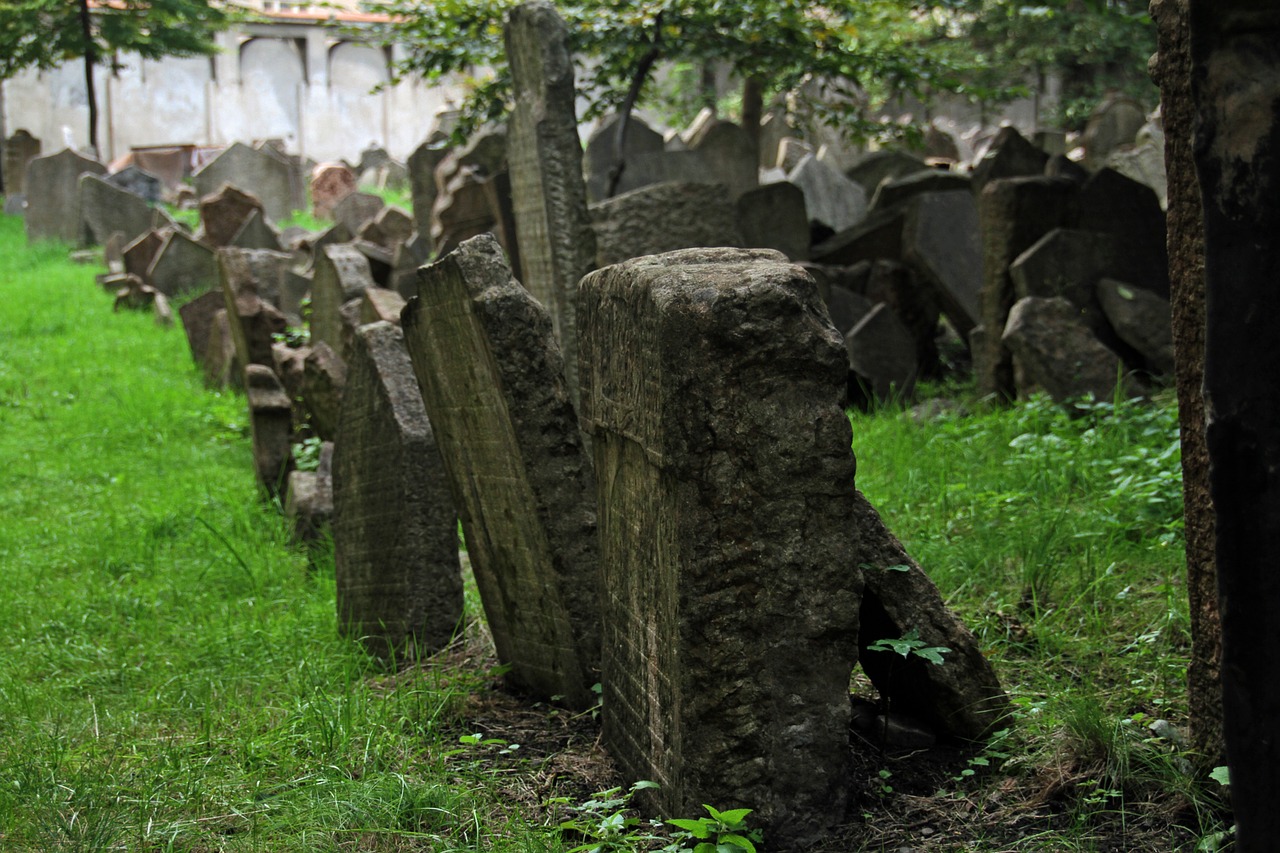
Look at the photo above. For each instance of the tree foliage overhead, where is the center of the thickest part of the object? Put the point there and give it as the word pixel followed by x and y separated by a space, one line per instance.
pixel 46 33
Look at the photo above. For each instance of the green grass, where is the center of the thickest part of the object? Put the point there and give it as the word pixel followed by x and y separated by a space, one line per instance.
pixel 171 677
pixel 170 672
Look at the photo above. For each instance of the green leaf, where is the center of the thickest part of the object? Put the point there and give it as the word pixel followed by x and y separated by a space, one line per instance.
pixel 728 843
pixel 697 828
pixel 1221 775
pixel 734 816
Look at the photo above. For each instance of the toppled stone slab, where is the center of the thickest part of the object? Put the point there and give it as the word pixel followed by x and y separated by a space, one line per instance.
pixel 182 265
pixel 941 241
pixel 1057 352
pixel 882 352
pixel 1142 320
pixel 395 531
pixel 225 212
pixel 492 380
pixel 714 392
pixel 774 216
pixel 106 208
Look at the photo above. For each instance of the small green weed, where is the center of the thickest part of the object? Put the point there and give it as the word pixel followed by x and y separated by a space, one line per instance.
pixel 716 832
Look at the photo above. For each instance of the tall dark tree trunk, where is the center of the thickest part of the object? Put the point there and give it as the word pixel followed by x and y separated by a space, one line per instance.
pixel 1172 73
pixel 708 89
pixel 90 59
pixel 1235 84
pixel 752 107
pixel 638 79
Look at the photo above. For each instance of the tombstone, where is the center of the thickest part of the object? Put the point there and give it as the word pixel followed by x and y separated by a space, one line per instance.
pixel 182 265
pixel 1142 320
pixel 113 252
pixel 831 199
pixel 1130 212
pixel 714 391
pixel 1114 123
pixel 422 181
pixel 256 233
pixel 915 305
pixel 388 228
pixel 882 352
pixel 879 235
pixel 271 425
pixel 309 503
pixel 962 698
pixel 942 242
pixel 198 317
pixel 19 150
pixel 774 216
pixel 373 157
pixel 380 259
pixel 295 287
pixel 391 175
pixel 1062 166
pixel 548 195
pixel 869 171
pixel 289 364
pixel 271 177
pixel 731 156
pixel 1068 262
pixel 324 379
pixel 900 190
pixel 405 260
pixel 1056 351
pixel 140 252
pixel 220 370
pixel 600 158
pixel 254 321
pixel 846 308
pixel 462 208
pixel 492 379
pixel 377 304
pixel 774 128
pixel 395 530
pixel 330 183
pixel 661 218
pixel 141 183
pixel 1010 155
pixel 341 274
pixel 790 152
pixel 1013 213
pixel 53 195
pixel 1144 163
pixel 353 210
pixel 106 209
pixel 224 213
pixel 940 145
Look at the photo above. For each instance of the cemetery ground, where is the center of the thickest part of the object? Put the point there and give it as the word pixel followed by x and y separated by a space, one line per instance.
pixel 171 677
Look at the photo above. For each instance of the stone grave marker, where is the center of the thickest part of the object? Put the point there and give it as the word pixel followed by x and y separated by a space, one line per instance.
pixel 395 530
pixel 661 218
pixel 873 168
pixel 268 174
pixel 182 265
pixel 271 425
pixel 197 318
pixel 220 369
pixel 1013 213
pixel 492 379
pixel 378 304
pixel 1130 212
pixel 831 199
pixel 225 212
pixel 324 378
pixel 53 195
pixel 106 209
pixel 353 210
pixel 548 195
pixel 341 274
pixel 388 228
pixel 714 392
pixel 731 156
pixel 1115 122
pixel 1142 320
pixel 256 233
pixel 141 183
pixel 600 158
pixel 774 216
pixel 140 252
pixel 330 183
pixel 309 503
pixel 422 180
pixel 1056 350
pixel 941 241
pixel 899 190
pixel 882 352
pixel 1010 155
pixel 19 150
pixel 254 321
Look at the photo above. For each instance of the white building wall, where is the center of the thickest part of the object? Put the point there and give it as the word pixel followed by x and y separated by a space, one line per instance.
pixel 297 81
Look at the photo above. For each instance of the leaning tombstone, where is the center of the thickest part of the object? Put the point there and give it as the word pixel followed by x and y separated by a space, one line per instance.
pixel 553 226
pixel 254 321
pixel 309 503
pixel 774 216
pixel 324 379
pixel 353 210
pixel 330 183
pixel 714 391
pixel 182 265
pixel 662 218
pixel 256 233
pixel 395 530
pixel 1010 155
pixel 106 208
pixel 271 424
pixel 601 155
pixel 224 213
pixel 220 369
pixel 832 200
pixel 139 182
pixel 492 379
pixel 197 317
pixel 731 155
pixel 341 274
pixel 422 180
pixel 942 243
pixel 882 352
pixel 53 195
pixel 139 253
pixel 271 176
pixel 1056 351
pixel 19 150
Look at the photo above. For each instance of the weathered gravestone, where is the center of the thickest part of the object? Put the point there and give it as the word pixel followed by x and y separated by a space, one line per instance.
pixel 197 318
pixel 492 379
pixel 256 233
pixel 774 217
pixel 271 424
pixel 224 213
pixel 389 227
pixel 355 209
pixel 182 265
pixel 1010 155
pixel 106 208
pixel 942 243
pixel 271 176
pixel 422 180
pixel 870 170
pixel 341 274
pixel 395 530
pixel 19 150
pixel 378 304
pixel 309 503
pixel 1014 213
pixel 832 200
pixel 53 195
pixel 324 379
pixel 220 368
pixel 1142 320
pixel 882 352
pixel 714 389
pixel 1130 212
pixel 140 252
pixel 553 227
pixel 1115 122
pixel 898 190
pixel 254 321
pixel 601 156
pixel 330 183
pixel 730 154
pixel 139 182
pixel 662 218
pixel 1056 350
